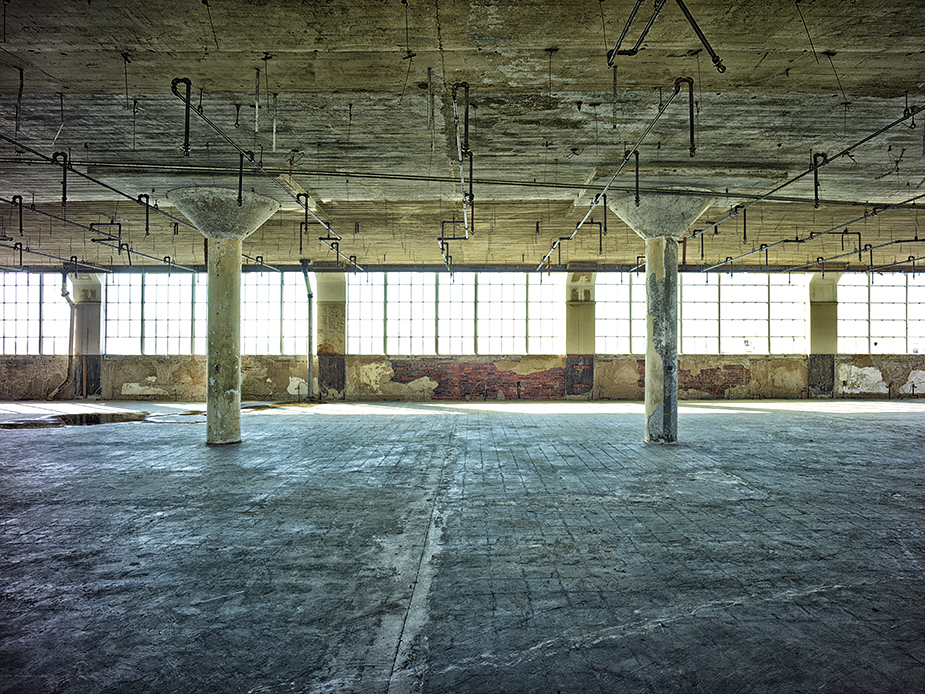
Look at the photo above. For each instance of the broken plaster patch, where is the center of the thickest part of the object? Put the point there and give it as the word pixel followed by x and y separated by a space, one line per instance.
pixel 917 379
pixel 529 365
pixel 865 379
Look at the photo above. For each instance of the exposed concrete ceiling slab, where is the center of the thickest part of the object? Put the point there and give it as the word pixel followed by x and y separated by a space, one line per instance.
pixel 352 104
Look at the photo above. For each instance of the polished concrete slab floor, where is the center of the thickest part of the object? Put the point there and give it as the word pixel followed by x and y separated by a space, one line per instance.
pixel 463 547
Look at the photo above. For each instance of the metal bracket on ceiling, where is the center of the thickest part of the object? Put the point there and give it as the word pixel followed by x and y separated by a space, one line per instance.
pixel 613 53
pixel 64 166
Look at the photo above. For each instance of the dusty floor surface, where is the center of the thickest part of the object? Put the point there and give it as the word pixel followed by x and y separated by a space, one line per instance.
pixel 477 547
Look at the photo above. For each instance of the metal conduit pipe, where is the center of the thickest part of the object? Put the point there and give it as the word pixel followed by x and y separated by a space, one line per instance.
pixel 56 218
pixel 119 247
pixel 561 185
pixel 612 54
pixel 311 347
pixel 70 166
pixel 874 213
pixel 867 247
pixel 603 194
pixel 911 259
pixel 72 261
pixel 259 261
pixel 463 150
pixel 828 160
pixel 64 167
pixel 17 201
pixel 817 157
pixel 69 374
pixel 259 167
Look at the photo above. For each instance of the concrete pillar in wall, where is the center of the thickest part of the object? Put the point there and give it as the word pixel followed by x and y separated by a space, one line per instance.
pixel 579 333
pixel 661 220
pixel 225 222
pixel 823 332
pixel 331 304
pixel 87 295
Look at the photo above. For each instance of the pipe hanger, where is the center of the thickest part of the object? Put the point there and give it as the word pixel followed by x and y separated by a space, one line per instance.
pixel 626 158
pixel 615 51
pixel 250 156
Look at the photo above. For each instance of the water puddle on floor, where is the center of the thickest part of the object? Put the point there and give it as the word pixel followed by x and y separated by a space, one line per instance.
pixel 86 419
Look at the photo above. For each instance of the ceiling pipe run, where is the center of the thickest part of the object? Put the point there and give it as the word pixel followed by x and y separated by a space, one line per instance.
pixel 764 247
pixel 463 150
pixel 615 51
pixel 332 239
pixel 602 195
pixel 908 113
pixel 69 165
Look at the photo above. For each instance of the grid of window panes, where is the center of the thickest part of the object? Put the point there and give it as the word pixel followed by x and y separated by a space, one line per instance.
pixel 56 317
pixel 123 301
pixel 366 313
pixel 410 320
pixel 167 314
pixel 888 313
pixel 915 322
pixel 620 313
pixel 546 313
pixel 456 313
pixel 295 314
pixel 743 311
pixel 20 312
pixel 699 313
pixel 261 312
pixel 789 313
pixel 200 312
pixel 502 313
pixel 853 314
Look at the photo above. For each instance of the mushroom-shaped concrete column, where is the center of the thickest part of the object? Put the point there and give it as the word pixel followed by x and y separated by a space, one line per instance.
pixel 225 222
pixel 661 220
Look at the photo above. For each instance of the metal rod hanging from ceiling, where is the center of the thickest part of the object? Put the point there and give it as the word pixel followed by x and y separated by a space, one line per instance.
pixel 866 248
pixel 70 166
pixel 876 211
pixel 463 150
pixel 73 260
pixel 909 113
pixel 603 194
pixel 911 259
pixel 615 51
pixel 250 157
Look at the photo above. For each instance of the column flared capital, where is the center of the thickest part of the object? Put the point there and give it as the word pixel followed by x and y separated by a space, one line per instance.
pixel 217 214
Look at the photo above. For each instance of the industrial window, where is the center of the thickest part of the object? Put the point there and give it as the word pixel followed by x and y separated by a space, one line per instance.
pixel 34 317
pixel 366 313
pixel 853 316
pixel 261 312
pixel 123 308
pixel 501 320
pixel 168 314
pixel 295 314
pixel 456 313
pixel 916 313
pixel 888 313
pixel 788 313
pixel 620 313
pixel 698 312
pixel 743 312
pixel 200 312
pixel 410 320
pixel 546 313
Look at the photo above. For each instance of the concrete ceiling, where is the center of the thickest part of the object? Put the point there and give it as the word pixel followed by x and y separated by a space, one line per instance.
pixel 355 108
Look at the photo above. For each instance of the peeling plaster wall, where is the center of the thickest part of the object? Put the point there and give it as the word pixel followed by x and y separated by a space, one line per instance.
pixel 455 378
pixel 27 377
pixel 183 377
pixel 532 377
pixel 879 375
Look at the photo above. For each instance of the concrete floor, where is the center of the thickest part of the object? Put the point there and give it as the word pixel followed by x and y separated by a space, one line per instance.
pixel 479 547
